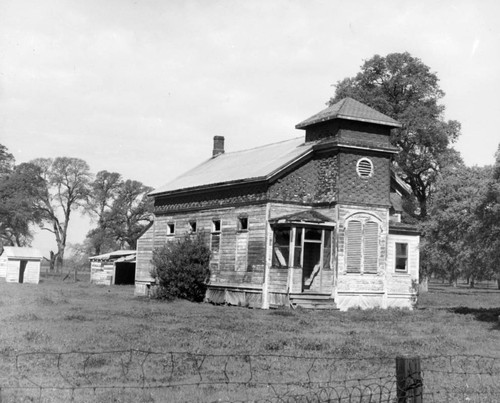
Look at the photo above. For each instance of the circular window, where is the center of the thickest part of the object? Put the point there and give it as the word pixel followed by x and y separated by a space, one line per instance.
pixel 364 168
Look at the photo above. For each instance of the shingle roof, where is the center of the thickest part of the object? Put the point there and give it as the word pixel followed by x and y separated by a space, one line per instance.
pixel 21 252
pixel 241 166
pixel 350 109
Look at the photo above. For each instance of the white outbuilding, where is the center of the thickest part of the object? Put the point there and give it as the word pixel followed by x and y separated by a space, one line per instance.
pixel 20 264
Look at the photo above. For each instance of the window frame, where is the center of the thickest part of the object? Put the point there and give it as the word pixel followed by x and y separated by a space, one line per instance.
pixel 170 228
pixel 193 226
pixel 362 246
pixel 397 256
pixel 215 234
pixel 242 220
pixel 297 241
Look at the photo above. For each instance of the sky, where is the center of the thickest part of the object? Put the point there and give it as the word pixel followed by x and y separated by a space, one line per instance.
pixel 140 87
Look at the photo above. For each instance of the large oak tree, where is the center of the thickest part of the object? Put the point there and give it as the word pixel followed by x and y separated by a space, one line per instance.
pixel 66 188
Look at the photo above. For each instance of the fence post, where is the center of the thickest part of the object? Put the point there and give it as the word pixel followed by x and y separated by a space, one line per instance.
pixel 409 380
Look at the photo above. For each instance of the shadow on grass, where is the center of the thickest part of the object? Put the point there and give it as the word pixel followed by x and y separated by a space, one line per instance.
pixel 491 315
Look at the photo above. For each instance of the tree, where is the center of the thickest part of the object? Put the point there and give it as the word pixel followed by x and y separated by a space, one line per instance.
pixel 123 211
pixel 181 268
pixel 104 191
pixel 452 246
pixel 488 213
pixel 67 182
pixel 18 204
pixel 404 88
pixel 6 161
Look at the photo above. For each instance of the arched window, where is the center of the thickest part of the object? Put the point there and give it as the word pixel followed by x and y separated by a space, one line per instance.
pixel 362 238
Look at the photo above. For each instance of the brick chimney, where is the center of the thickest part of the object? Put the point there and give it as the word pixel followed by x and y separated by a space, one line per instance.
pixel 218 146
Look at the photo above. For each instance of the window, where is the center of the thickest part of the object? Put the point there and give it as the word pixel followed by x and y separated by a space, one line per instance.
pixel 309 247
pixel 192 226
pixel 401 257
pixel 362 246
pixel 243 224
pixel 170 228
pixel 215 239
pixel 364 168
pixel 281 249
pixel 216 226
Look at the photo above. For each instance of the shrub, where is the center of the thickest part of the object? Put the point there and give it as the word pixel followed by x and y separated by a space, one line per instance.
pixel 181 268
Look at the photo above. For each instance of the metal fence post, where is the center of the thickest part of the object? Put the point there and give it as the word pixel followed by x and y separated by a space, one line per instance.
pixel 409 380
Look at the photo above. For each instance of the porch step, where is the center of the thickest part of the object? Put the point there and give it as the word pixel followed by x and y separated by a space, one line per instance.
pixel 312 301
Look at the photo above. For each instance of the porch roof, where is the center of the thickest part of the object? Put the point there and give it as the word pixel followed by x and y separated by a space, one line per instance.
pixel 303 217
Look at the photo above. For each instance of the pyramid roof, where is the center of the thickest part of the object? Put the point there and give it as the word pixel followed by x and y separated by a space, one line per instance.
pixel 349 109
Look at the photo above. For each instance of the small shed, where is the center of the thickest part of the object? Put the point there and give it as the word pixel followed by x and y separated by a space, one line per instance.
pixel 20 264
pixel 116 267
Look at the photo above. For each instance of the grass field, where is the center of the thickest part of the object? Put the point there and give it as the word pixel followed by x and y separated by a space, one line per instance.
pixel 64 317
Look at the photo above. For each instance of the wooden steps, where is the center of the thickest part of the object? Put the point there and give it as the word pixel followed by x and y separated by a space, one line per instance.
pixel 311 300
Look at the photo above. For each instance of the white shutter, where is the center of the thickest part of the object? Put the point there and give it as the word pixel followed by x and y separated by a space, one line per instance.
pixel 370 247
pixel 353 245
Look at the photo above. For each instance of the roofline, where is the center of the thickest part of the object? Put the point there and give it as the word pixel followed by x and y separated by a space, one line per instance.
pixel 237 182
pixel 304 125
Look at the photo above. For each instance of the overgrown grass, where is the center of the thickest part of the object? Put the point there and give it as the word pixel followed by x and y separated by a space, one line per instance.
pixel 61 316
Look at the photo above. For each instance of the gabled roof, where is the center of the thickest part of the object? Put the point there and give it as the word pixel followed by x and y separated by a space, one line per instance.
pixel 15 252
pixel 113 255
pixel 349 109
pixel 308 216
pixel 241 166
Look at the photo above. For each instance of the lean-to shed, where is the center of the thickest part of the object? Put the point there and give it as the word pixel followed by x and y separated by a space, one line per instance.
pixel 20 264
pixel 111 268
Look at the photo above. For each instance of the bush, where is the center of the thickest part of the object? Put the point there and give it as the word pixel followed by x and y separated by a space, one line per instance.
pixel 181 268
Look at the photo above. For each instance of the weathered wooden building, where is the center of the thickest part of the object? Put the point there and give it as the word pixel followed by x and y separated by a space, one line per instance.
pixel 313 221
pixel 20 265
pixel 113 268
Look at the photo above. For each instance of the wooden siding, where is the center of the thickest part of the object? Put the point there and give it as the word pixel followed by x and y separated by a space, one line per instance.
pixel 402 287
pixel 31 273
pixel 241 260
pixel 102 273
pixel 3 267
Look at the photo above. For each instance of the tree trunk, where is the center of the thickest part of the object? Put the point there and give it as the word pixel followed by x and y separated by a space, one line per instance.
pixel 424 284
pixel 498 283
pixel 472 282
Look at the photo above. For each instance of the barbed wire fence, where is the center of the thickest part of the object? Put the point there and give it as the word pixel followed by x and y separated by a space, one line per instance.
pixel 148 376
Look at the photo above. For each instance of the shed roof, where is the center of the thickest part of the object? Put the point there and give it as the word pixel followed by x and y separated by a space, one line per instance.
pixel 113 255
pixel 349 109
pixel 15 252
pixel 241 166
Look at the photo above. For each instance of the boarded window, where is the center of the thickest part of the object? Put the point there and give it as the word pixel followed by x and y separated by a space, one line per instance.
pixel 281 247
pixel 401 257
pixel 354 241
pixel 241 262
pixel 370 247
pixel 362 247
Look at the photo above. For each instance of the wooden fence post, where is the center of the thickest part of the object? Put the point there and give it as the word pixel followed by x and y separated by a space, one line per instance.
pixel 408 380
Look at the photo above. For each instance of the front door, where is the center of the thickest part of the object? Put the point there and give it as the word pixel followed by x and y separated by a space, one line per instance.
pixel 311 265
